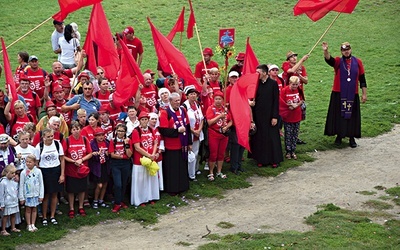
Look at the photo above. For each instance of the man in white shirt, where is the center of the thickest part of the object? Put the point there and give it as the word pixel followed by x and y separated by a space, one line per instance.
pixel 57 33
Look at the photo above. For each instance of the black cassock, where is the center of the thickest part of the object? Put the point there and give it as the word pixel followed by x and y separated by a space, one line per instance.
pixel 265 144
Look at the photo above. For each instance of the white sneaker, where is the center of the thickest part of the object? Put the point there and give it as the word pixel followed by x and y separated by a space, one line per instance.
pixel 206 166
pixel 29 228
pixel 34 228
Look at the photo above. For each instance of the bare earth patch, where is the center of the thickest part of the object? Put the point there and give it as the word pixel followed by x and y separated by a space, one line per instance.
pixel 270 205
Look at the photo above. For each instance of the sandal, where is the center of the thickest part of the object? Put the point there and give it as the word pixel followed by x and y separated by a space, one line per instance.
pixel 294 156
pixel 15 230
pixel 54 221
pixel 71 214
pixel 288 156
pixel 210 177
pixel 44 222
pixel 103 204
pixel 82 212
pixel 4 233
pixel 221 175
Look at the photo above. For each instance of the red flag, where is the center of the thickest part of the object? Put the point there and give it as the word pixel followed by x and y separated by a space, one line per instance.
pixel 129 76
pixel 242 91
pixel 179 25
pixel 69 6
pixel 191 22
pixel 8 74
pixel 99 44
pixel 249 67
pixel 317 9
pixel 171 59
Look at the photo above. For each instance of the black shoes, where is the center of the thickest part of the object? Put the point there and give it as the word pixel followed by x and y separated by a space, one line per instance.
pixel 338 140
pixel 352 142
pixel 300 142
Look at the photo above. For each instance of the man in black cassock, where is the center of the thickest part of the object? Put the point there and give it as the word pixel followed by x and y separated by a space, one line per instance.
pixel 266 143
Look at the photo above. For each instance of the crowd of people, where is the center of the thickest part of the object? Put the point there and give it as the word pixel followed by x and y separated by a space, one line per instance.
pixel 64 141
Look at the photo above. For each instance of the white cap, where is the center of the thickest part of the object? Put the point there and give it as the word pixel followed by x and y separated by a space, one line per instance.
pixel 273 66
pixel 233 73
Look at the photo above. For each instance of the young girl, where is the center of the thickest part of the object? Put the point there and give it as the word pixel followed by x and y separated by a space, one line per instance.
pixel 23 149
pixel 99 167
pixel 31 191
pixel 8 198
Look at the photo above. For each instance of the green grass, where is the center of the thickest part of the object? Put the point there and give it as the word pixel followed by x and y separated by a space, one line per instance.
pixel 273 30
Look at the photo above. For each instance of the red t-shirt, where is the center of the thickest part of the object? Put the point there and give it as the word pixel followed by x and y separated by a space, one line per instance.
pixel 19 123
pixel 200 71
pixel 103 98
pixel 293 96
pixel 103 151
pixel 150 92
pixel 32 101
pixel 114 112
pixel 65 74
pixel 214 111
pixel 76 149
pixel 67 115
pixel 215 86
pixel 135 46
pixel 88 132
pixel 37 80
pixel 146 140
pixel 118 148
pixel 286 66
pixel 172 143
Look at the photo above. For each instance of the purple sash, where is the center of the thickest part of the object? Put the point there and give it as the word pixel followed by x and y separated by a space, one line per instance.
pixel 348 85
pixel 183 137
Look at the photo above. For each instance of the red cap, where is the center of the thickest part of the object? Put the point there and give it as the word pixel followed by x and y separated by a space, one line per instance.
pixel 143 115
pixel 98 131
pixel 149 71
pixel 23 77
pixel 218 93
pixel 208 51
pixel 66 83
pixel 49 104
pixel 240 56
pixel 129 30
pixel 58 88
pixel 83 74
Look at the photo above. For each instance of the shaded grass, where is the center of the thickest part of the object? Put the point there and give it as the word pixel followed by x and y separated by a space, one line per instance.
pixel 366 192
pixel 378 204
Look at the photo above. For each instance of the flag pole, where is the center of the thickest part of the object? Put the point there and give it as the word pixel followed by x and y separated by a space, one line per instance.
pixel 326 31
pixel 80 62
pixel 201 49
pixel 22 37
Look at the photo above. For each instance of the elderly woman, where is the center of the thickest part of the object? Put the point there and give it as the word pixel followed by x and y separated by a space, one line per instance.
pixel 163 102
pixel 77 153
pixel 69 45
pixel 50 155
pixel 54 124
pixel 290 110
pixel 51 110
pixel 145 188
pixel 175 128
pixel 196 120
pixel 219 122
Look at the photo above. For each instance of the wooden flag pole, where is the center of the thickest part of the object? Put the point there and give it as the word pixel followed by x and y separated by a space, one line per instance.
pixel 201 49
pixel 22 37
pixel 80 62
pixel 326 31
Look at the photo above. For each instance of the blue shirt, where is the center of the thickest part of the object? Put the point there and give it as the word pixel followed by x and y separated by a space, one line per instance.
pixel 90 106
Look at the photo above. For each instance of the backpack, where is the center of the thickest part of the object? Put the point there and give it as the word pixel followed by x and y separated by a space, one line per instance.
pixel 41 145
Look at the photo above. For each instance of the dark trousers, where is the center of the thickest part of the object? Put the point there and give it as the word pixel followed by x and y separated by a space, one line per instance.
pixel 121 170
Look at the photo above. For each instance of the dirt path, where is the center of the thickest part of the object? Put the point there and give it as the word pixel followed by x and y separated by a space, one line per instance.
pixel 270 205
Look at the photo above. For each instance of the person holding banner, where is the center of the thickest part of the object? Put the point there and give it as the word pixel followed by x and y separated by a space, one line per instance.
pixel 344 117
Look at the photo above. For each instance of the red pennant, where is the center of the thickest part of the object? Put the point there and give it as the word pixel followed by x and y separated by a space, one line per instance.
pixel 99 44
pixel 179 25
pixel 317 9
pixel 8 74
pixel 171 59
pixel 129 77
pixel 191 22
pixel 242 91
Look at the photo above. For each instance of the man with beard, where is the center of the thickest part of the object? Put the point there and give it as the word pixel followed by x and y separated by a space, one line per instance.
pixel 344 117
